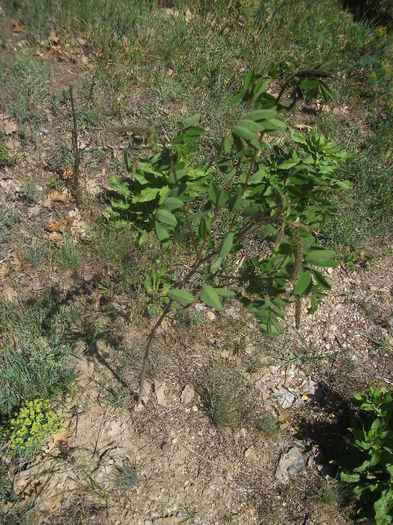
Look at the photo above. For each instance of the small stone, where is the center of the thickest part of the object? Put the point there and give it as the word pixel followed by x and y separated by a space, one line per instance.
pixel 188 394
pixel 211 316
pixel 284 397
pixel 194 408
pixel 250 454
pixel 199 307
pixel 250 348
pixel 290 465
pixel 159 388
pixel 309 387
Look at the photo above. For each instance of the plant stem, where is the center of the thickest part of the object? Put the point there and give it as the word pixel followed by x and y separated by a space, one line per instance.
pixel 197 264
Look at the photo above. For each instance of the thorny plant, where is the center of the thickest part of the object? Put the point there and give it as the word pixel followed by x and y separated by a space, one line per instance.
pixel 275 200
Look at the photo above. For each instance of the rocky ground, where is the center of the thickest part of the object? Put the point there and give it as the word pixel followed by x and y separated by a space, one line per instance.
pixel 287 399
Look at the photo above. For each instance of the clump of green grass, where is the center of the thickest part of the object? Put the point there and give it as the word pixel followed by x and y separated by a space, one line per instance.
pixel 29 190
pixel 226 396
pixel 334 493
pixel 36 353
pixel 269 425
pixel 126 478
pixel 70 256
pixel 24 88
pixel 6 158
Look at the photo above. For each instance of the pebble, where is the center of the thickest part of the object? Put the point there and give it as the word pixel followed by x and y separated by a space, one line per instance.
pixel 187 394
pixel 290 465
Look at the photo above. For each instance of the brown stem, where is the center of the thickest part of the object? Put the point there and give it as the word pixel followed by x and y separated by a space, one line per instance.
pixel 249 171
pixel 197 264
pixel 148 348
pixel 75 180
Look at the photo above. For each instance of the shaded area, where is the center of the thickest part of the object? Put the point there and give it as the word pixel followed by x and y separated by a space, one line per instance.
pixel 374 12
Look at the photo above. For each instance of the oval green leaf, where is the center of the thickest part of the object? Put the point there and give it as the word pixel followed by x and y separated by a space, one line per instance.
pixel 210 297
pixel 172 203
pixel 161 232
pixel 303 283
pixel 181 296
pixel 226 245
pixel 166 217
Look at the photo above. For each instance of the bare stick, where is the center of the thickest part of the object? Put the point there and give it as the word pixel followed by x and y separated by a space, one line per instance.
pixel 75 147
pixel 197 264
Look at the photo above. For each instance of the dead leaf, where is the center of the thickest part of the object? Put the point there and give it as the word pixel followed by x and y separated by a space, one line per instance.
pixel 8 126
pixel 54 226
pixel 17 27
pixel 53 37
pixel 67 172
pixel 333 299
pixel 59 226
pixel 284 416
pixel 9 293
pixel 4 269
pixel 58 196
pixel 17 260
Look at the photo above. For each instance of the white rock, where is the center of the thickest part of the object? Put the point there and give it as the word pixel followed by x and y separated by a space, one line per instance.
pixel 290 465
pixel 187 394
pixel 284 397
pixel 159 388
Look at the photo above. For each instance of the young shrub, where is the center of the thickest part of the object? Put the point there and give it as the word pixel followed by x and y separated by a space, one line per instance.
pixel 368 463
pixel 276 202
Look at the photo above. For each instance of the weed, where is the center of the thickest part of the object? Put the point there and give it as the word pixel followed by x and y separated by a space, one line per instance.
pixel 126 478
pixel 368 463
pixel 269 425
pixel 24 84
pixel 226 396
pixel 70 255
pixel 35 251
pixel 285 355
pixel 118 246
pixel 190 512
pixel 35 357
pixel 334 493
pixel 7 219
pixel 29 190
pixel 6 159
pixel 185 317
pixel 31 425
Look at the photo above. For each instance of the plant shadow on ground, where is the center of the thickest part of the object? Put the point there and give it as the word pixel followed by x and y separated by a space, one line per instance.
pixel 330 429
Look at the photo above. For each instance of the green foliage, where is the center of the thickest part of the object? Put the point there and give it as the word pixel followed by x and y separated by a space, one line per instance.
pixel 226 396
pixel 70 255
pixel 279 200
pixel 35 356
pixel 31 425
pixel 126 478
pixel 269 425
pixel 368 463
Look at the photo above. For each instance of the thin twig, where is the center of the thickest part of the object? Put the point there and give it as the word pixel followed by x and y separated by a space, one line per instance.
pixel 198 263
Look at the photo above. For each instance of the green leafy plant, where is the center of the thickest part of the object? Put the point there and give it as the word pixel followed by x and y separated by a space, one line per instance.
pixel 126 478
pixel 368 463
pixel 276 198
pixel 33 423
pixel 226 396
